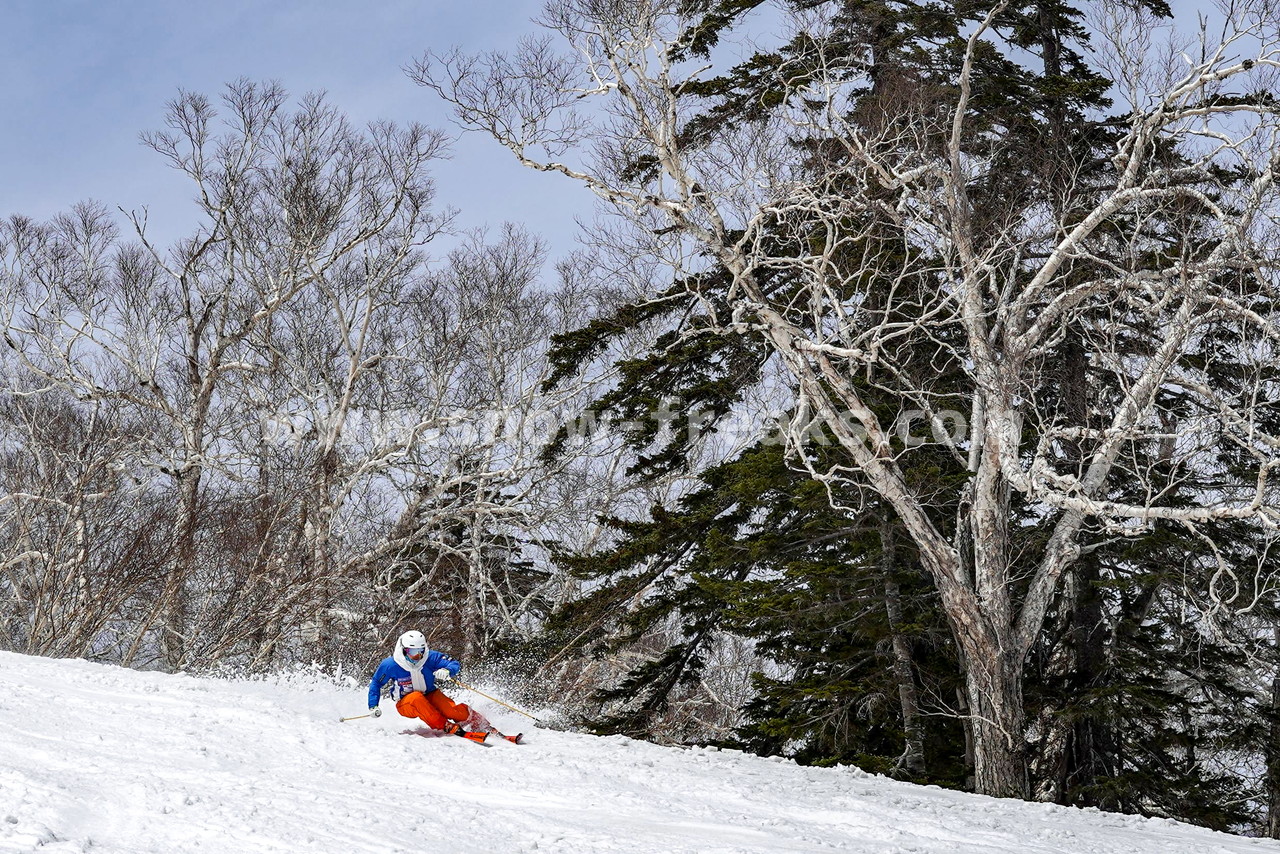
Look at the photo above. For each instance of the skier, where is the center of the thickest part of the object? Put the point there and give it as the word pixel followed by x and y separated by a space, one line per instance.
pixel 412 671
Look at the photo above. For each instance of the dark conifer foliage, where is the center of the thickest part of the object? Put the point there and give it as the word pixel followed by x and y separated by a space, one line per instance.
pixel 759 552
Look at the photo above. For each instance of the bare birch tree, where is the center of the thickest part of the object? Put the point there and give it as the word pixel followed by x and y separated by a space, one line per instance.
pixel 288 199
pixel 83 550
pixel 469 358
pixel 1176 238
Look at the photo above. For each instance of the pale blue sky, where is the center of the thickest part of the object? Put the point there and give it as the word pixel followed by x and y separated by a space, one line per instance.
pixel 80 80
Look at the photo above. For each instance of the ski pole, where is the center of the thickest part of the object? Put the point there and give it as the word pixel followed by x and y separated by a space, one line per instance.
pixel 354 718
pixel 462 684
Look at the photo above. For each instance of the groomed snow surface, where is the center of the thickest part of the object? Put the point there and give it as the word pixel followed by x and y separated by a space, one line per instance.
pixel 101 759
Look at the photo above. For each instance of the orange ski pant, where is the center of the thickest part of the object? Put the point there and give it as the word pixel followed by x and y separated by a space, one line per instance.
pixel 434 708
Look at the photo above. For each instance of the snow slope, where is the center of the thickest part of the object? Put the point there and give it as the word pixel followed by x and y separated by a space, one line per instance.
pixel 101 759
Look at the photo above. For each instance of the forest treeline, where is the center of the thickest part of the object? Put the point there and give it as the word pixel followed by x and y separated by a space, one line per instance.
pixel 910 403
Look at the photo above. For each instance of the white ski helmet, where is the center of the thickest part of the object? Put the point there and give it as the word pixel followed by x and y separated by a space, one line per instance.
pixel 413 645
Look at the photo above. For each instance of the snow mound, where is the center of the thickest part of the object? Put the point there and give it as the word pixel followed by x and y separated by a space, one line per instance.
pixel 102 759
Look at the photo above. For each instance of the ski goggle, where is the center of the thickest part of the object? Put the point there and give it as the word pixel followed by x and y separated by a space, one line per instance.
pixel 414 653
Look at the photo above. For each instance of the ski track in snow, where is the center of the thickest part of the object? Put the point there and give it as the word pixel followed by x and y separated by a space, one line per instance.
pixel 105 760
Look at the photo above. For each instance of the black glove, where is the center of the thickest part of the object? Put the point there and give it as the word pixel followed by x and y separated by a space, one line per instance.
pixel 375 711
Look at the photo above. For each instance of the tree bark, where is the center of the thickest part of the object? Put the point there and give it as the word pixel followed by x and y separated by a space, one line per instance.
pixel 912 761
pixel 994 685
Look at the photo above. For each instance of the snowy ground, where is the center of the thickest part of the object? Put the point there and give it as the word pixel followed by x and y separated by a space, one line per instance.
pixel 100 759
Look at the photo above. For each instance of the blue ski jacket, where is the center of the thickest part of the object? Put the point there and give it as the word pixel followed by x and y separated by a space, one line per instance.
pixel 402 681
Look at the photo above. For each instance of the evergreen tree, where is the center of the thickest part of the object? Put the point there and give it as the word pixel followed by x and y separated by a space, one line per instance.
pixel 923 85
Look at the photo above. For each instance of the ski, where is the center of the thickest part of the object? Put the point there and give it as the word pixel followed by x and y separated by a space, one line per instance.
pixel 518 738
pixel 475 737
pixel 471 736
